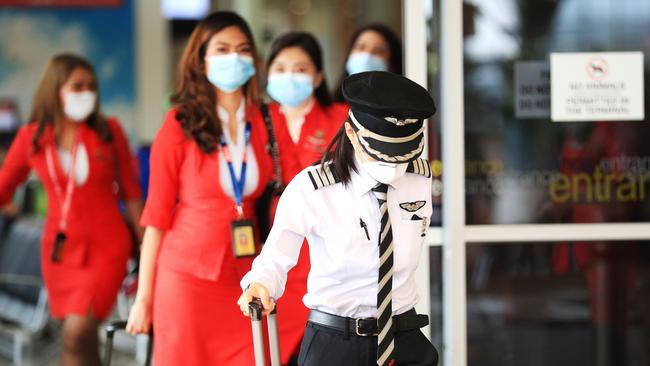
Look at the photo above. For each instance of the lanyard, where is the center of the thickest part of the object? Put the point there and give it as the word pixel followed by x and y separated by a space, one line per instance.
pixel 65 200
pixel 237 184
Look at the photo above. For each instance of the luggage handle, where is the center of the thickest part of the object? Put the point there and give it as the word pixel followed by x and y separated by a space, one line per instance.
pixel 255 312
pixel 110 333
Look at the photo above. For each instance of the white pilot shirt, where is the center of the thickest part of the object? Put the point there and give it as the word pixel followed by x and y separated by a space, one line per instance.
pixel 344 260
pixel 237 152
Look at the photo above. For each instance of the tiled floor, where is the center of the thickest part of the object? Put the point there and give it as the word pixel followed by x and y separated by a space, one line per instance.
pixel 46 352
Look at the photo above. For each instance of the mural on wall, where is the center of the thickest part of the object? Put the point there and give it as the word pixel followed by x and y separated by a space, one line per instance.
pixel 103 33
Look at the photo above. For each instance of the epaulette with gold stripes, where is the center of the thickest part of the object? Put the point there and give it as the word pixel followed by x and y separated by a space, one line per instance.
pixel 420 166
pixel 322 176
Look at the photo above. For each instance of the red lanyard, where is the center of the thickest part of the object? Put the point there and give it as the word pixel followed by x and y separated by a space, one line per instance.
pixel 66 200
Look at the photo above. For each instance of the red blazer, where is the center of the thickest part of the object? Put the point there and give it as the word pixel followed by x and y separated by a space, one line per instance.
pixel 320 126
pixel 186 200
pixel 95 224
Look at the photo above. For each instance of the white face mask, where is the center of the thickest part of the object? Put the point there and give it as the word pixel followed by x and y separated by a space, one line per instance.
pixel 386 173
pixel 380 171
pixel 79 105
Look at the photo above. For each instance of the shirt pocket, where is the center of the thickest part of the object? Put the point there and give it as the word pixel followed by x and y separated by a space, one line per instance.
pixel 408 239
pixel 349 249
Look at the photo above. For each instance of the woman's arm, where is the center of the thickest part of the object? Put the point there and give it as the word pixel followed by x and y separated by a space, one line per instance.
pixel 15 167
pixel 140 315
pixel 127 177
pixel 133 212
pixel 268 275
pixel 127 172
pixel 165 161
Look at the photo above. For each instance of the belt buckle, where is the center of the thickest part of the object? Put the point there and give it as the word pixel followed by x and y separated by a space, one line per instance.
pixel 356 328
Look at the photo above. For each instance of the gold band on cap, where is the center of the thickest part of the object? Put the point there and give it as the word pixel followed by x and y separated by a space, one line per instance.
pixel 398 158
pixel 364 132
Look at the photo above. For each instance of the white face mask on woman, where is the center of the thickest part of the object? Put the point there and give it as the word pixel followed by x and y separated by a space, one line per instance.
pixel 380 171
pixel 79 105
pixel 386 173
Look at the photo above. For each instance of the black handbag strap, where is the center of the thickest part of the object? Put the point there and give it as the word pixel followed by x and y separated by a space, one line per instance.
pixel 273 145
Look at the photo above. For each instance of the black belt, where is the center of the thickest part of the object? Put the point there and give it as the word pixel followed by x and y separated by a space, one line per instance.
pixel 367 327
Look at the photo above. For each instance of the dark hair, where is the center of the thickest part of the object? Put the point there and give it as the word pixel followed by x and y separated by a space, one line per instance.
pixel 340 153
pixel 194 95
pixel 46 105
pixel 394 46
pixel 309 44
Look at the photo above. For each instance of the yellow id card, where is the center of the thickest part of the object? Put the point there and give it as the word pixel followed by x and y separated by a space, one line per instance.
pixel 243 238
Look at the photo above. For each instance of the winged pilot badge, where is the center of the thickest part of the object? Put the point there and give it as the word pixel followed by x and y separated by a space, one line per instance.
pixel 412 206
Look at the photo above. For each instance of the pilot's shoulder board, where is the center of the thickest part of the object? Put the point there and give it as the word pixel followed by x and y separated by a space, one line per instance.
pixel 420 166
pixel 322 176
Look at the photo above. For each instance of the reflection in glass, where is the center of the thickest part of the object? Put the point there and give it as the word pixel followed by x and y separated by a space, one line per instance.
pixel 558 304
pixel 523 168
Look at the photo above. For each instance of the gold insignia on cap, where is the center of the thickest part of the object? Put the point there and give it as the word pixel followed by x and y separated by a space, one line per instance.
pixel 401 122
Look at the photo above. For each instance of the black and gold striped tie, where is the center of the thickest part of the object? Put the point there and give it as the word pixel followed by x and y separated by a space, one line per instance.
pixel 385 341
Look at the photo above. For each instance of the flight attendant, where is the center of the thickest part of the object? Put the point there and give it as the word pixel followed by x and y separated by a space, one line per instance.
pixel 374 47
pixel 364 211
pixel 208 165
pixel 304 117
pixel 304 120
pixel 79 155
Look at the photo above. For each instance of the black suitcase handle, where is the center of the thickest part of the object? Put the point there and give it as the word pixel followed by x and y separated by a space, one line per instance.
pixel 110 333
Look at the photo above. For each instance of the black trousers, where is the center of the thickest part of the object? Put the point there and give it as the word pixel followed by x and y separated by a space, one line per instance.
pixel 322 346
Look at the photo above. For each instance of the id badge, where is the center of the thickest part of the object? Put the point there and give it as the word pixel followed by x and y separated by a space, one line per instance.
pixel 243 238
pixel 59 240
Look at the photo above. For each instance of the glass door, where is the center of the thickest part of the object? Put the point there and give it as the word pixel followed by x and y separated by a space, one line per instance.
pixel 543 253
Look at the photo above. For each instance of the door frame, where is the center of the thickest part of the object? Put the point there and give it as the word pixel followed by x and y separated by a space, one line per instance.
pixel 454 235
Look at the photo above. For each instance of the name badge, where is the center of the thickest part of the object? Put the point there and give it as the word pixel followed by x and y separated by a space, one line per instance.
pixel 243 238
pixel 59 241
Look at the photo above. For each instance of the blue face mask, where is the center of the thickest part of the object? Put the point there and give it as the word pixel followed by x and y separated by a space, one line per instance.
pixel 229 72
pixel 364 61
pixel 290 89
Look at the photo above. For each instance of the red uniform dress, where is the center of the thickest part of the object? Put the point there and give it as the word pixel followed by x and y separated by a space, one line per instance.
pixel 319 127
pixel 195 313
pixel 93 261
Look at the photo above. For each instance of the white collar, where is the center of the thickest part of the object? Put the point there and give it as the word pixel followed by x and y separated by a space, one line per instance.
pixel 240 114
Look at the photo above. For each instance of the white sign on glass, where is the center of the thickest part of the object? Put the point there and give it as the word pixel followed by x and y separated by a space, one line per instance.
pixel 532 89
pixel 602 86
